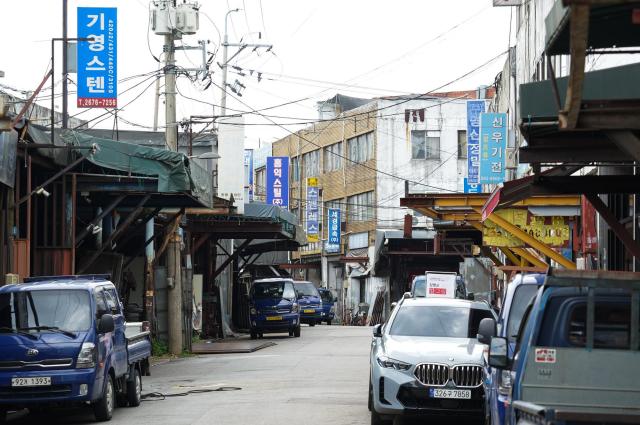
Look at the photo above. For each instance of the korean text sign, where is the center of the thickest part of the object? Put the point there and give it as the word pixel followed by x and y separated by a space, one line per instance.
pixel 312 210
pixel 278 181
pixel 493 147
pixel 474 109
pixel 97 59
pixel 472 187
pixel 334 229
pixel 441 285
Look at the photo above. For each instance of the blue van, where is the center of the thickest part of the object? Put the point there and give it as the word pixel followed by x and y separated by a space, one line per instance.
pixel 520 292
pixel 310 303
pixel 274 307
pixel 328 305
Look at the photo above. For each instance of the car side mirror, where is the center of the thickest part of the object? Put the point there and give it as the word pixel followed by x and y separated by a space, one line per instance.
pixel 106 324
pixel 377 331
pixel 498 349
pixel 486 331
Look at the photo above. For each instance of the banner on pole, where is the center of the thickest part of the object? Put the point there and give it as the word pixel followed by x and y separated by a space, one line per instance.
pixel 313 227
pixel 278 181
pixel 474 109
pixel 493 146
pixel 98 58
pixel 333 233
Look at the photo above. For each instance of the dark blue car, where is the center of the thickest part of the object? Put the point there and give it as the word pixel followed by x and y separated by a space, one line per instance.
pixel 328 305
pixel 274 307
pixel 521 290
pixel 310 303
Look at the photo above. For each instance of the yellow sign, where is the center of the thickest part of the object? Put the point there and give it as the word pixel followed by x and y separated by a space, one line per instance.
pixel 312 181
pixel 552 231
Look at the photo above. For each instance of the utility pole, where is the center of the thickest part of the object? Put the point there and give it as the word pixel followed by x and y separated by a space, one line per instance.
pixel 65 70
pixel 174 269
pixel 226 59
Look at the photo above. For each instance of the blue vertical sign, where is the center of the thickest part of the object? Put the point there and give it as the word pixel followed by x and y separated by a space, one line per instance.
pixel 472 187
pixel 313 227
pixel 334 229
pixel 248 167
pixel 278 181
pixel 493 147
pixel 474 109
pixel 97 59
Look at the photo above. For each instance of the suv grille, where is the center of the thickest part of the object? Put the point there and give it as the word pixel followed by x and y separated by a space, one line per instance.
pixel 432 374
pixel 467 376
pixel 438 375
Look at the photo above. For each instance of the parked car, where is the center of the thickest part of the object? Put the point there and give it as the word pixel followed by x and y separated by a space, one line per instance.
pixel 310 302
pixel 425 360
pixel 64 342
pixel 520 292
pixel 328 305
pixel 576 358
pixel 273 307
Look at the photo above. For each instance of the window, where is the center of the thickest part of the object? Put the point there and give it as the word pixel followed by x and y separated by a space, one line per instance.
pixel 360 207
pixel 361 147
pixel 521 299
pixel 462 143
pixel 289 292
pixel 333 157
pixel 438 321
pixel 311 163
pixel 425 144
pixel 112 303
pixel 363 291
pixel 260 183
pixel 295 169
pixel 611 328
pixel 268 290
pixel 67 309
pixel 101 304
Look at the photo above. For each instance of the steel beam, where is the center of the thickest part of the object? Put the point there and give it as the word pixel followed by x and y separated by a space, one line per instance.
pixel 627 142
pixel 231 258
pixel 523 253
pixel 100 216
pixel 115 235
pixel 578 35
pixel 530 241
pixel 486 251
pixel 510 255
pixel 620 231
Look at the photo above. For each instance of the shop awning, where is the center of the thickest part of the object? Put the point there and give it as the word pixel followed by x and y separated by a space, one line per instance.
pixel 170 168
pixel 609 26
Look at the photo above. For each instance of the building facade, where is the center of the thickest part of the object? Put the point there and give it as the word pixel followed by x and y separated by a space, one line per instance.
pixel 362 159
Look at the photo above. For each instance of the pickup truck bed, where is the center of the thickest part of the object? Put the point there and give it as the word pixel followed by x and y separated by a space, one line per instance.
pixel 529 413
pixel 138 347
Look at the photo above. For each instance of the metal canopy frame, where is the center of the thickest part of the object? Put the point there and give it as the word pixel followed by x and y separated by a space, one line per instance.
pixel 466 210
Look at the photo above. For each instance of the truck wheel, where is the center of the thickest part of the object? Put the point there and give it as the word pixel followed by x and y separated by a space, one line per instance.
pixel 312 323
pixel 296 332
pixel 103 408
pixel 329 322
pixel 134 389
pixel 254 334
pixel 291 332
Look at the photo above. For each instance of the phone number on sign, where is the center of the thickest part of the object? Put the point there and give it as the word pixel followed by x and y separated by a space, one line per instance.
pixel 91 102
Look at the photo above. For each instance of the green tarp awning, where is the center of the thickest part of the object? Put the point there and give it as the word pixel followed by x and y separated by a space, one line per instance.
pixel 171 168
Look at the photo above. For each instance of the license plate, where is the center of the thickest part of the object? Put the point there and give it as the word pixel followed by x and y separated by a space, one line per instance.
pixel 442 393
pixel 309 310
pixel 273 318
pixel 39 381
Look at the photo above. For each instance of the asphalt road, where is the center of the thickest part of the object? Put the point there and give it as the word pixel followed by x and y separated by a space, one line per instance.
pixel 320 378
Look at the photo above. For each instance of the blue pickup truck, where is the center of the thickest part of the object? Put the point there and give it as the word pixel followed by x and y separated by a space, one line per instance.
pixel 577 355
pixel 64 342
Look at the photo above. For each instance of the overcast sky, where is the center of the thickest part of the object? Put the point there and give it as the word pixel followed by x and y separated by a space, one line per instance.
pixel 363 48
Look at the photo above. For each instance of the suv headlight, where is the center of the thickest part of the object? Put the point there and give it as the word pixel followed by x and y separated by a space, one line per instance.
pixel 504 385
pixel 88 356
pixel 253 311
pixel 295 308
pixel 388 362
